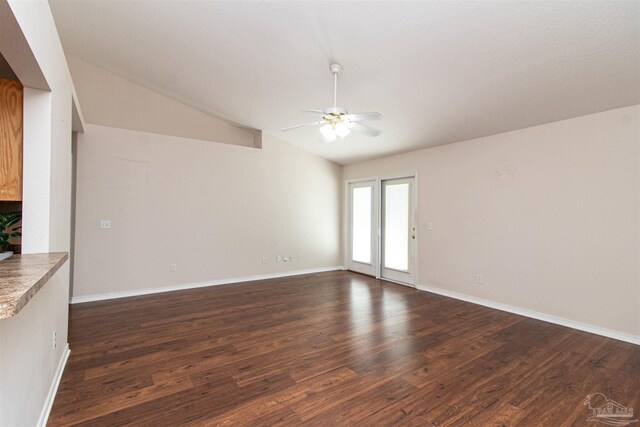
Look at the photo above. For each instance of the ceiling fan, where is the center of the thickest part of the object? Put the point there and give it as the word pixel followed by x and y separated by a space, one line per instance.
pixel 336 121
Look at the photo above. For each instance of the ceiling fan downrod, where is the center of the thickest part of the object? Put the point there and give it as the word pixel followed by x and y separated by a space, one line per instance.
pixel 336 69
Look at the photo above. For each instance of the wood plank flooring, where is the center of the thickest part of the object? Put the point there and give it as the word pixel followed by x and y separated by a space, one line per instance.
pixel 330 349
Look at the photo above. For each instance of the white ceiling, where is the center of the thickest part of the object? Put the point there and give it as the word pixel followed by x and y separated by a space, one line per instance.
pixel 440 72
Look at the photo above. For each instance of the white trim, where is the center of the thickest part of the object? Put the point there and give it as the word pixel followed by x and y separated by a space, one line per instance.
pixel 397 282
pixel 609 333
pixel 356 180
pixel 48 403
pixel 147 291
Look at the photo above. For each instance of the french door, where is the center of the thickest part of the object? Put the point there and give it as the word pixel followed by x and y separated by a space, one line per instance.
pixel 381 231
pixel 398 234
pixel 363 226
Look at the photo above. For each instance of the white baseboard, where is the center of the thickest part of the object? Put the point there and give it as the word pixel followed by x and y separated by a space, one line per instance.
pixel 148 291
pixel 48 404
pixel 610 333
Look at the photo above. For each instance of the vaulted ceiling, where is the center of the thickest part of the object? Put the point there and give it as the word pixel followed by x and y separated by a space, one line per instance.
pixel 440 72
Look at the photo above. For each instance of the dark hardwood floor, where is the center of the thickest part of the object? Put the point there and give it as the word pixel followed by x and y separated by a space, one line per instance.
pixel 332 349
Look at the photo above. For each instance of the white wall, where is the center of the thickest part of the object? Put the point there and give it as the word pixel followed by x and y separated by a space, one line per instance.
pixel 550 215
pixel 110 100
pixel 36 166
pixel 212 209
pixel 28 361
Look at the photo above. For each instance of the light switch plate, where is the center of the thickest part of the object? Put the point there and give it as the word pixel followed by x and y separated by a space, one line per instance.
pixel 105 224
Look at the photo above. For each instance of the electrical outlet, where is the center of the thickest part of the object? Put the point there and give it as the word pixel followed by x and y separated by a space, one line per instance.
pixel 429 226
pixel 55 339
pixel 173 268
pixel 479 279
pixel 264 259
pixel 105 224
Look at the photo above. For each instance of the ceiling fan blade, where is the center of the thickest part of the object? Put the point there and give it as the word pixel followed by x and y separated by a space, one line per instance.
pixel 319 122
pixel 359 127
pixel 364 116
pixel 313 111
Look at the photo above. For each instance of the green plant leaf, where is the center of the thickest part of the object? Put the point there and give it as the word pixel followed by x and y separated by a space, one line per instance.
pixel 11 222
pixel 8 219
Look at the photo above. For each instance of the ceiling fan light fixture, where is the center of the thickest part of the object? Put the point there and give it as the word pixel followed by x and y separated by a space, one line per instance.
pixel 341 130
pixel 328 132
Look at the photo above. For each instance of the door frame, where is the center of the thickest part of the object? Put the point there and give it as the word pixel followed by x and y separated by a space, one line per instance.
pixel 378 219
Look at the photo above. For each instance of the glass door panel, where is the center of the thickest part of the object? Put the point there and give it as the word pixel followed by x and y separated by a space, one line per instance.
pixel 396 226
pixel 361 237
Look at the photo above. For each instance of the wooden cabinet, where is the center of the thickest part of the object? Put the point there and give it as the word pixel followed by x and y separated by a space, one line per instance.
pixel 10 140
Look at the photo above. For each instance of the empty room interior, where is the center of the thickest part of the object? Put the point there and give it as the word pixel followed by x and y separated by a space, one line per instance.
pixel 319 213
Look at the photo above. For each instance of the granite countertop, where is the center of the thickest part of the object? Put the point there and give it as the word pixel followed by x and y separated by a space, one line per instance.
pixel 22 276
